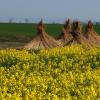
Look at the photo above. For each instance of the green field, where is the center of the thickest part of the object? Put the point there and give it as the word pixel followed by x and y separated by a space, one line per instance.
pixel 24 32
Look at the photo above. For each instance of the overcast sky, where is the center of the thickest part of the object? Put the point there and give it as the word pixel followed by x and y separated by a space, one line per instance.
pixel 51 9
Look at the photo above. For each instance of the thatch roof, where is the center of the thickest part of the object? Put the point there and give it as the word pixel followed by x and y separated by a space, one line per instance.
pixel 42 40
pixel 91 35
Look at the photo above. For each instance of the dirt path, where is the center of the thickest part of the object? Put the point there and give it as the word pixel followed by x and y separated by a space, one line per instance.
pixel 4 45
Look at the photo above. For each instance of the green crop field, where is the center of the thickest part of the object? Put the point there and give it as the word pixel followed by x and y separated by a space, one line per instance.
pixel 23 32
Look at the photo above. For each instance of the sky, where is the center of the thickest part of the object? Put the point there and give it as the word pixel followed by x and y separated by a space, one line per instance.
pixel 50 10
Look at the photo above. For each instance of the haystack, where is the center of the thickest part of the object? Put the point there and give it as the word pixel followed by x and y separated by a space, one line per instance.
pixel 72 34
pixel 91 35
pixel 65 36
pixel 42 40
pixel 77 35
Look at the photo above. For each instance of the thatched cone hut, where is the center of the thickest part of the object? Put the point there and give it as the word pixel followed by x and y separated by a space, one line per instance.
pixel 42 40
pixel 91 35
pixel 66 36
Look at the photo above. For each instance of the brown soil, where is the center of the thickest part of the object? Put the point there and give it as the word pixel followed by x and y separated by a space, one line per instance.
pixel 15 45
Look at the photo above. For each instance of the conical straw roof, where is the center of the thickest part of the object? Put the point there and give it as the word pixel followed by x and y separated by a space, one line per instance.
pixel 42 40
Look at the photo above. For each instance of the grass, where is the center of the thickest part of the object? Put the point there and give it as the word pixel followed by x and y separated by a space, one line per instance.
pixel 24 32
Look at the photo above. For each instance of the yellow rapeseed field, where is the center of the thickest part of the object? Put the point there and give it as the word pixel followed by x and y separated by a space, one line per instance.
pixel 67 73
